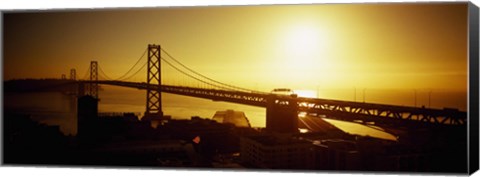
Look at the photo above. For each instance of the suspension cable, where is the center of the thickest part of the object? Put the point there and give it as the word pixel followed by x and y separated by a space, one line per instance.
pixel 124 79
pixel 191 70
pixel 105 75
pixel 85 77
pixel 193 77
pixel 131 68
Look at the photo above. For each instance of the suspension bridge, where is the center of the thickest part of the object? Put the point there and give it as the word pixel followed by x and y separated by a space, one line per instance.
pixel 281 110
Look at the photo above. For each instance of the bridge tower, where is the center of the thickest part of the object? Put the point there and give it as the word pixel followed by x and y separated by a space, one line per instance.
pixel 282 114
pixel 93 86
pixel 154 94
pixel 73 74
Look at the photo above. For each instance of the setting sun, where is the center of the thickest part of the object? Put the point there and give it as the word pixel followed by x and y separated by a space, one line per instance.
pixel 303 50
pixel 303 40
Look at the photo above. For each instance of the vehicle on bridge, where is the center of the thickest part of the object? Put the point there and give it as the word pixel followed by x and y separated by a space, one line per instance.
pixel 284 91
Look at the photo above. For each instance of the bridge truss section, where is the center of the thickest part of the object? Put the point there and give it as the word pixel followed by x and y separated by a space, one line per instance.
pixel 384 114
pixel 340 110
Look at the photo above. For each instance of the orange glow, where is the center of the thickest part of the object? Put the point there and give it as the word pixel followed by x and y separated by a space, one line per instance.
pixel 381 46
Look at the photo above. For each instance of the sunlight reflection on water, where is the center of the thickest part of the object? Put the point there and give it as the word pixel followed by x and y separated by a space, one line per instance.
pixel 358 129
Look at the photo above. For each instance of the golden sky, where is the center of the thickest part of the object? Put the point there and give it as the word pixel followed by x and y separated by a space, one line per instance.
pixel 402 46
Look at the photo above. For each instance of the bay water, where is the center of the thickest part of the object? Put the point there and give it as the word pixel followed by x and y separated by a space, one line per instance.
pixel 54 108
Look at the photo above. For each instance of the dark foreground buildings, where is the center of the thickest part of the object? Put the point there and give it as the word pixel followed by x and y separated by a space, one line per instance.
pixel 123 140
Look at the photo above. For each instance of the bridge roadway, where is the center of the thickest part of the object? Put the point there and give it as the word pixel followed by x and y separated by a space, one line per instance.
pixel 343 110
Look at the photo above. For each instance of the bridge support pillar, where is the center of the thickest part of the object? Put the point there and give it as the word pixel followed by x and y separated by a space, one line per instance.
pixel 154 95
pixel 73 74
pixel 93 86
pixel 282 114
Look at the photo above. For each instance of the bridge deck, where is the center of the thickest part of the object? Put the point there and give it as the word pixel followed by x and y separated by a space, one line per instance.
pixel 344 110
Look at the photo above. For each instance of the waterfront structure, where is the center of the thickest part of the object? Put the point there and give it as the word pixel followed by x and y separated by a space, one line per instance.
pixel 236 118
